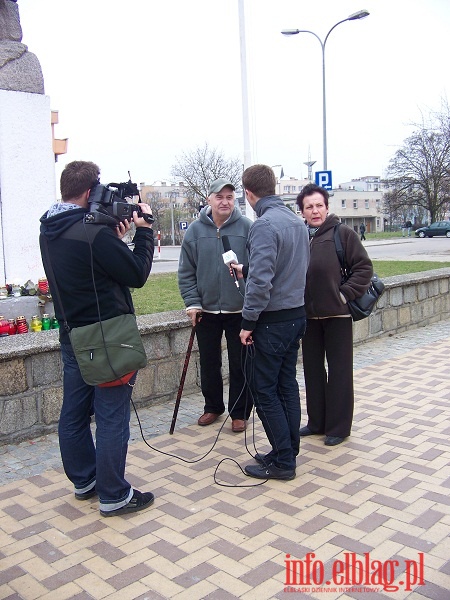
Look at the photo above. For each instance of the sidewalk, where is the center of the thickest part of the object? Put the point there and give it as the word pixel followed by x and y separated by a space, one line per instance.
pixel 381 496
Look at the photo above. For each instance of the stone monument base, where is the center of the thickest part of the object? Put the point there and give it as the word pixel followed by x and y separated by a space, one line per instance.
pixel 27 180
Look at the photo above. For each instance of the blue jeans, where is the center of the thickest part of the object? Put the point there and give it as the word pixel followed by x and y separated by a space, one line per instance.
pixel 275 389
pixel 101 464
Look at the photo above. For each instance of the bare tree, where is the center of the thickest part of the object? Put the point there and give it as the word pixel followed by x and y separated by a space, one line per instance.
pixel 419 172
pixel 200 167
pixel 154 200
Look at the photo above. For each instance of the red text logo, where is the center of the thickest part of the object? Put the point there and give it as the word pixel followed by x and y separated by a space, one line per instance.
pixel 353 572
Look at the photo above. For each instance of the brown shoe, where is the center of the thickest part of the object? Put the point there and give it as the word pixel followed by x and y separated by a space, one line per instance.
pixel 208 418
pixel 238 425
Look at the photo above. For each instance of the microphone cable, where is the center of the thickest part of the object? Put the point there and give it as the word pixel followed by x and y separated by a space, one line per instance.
pixel 249 356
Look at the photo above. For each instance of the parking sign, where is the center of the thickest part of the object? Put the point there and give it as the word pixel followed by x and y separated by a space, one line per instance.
pixel 183 225
pixel 323 178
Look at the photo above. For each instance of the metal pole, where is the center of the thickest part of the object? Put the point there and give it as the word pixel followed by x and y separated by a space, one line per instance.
pixel 358 15
pixel 324 111
pixel 324 101
pixel 245 102
pixel 171 215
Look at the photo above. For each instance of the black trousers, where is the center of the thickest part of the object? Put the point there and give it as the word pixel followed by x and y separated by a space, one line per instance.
pixel 329 391
pixel 209 332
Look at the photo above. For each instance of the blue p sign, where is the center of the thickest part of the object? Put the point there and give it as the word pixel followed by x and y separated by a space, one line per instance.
pixel 183 225
pixel 323 178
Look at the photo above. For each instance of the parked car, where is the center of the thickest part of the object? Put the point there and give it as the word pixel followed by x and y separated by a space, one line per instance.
pixel 438 228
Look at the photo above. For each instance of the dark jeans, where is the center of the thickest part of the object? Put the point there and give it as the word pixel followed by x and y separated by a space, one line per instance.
pixel 329 392
pixel 273 381
pixel 209 332
pixel 101 464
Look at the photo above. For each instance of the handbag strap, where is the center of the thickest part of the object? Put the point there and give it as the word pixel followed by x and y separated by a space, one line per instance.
pixel 54 285
pixel 340 253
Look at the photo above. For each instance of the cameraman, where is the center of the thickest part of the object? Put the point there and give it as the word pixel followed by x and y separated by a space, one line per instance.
pixel 78 252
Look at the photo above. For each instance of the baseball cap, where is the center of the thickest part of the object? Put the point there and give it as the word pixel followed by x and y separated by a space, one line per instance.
pixel 218 185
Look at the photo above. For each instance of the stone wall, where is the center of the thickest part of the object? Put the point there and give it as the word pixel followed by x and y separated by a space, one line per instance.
pixel 30 364
pixel 409 301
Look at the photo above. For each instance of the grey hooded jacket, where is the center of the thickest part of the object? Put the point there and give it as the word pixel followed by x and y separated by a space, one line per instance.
pixel 278 246
pixel 204 279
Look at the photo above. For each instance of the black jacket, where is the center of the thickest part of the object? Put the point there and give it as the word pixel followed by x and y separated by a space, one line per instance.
pixel 79 252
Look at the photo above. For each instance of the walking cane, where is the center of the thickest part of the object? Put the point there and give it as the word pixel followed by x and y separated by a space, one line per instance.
pixel 183 377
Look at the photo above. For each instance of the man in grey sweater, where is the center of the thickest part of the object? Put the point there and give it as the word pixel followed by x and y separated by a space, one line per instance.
pixel 214 303
pixel 274 320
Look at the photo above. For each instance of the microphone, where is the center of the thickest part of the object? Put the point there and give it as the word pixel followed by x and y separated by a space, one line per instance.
pixel 229 257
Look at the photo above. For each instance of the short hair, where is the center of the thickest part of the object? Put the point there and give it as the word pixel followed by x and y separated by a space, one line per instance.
pixel 77 177
pixel 260 180
pixel 309 190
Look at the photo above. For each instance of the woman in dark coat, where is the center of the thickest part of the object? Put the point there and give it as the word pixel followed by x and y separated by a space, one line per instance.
pixel 329 332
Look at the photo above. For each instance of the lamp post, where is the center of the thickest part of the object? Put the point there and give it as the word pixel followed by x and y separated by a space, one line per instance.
pixel 361 14
pixel 172 196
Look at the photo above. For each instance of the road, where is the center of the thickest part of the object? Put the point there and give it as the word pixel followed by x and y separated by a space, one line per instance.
pixel 434 249
pixel 166 261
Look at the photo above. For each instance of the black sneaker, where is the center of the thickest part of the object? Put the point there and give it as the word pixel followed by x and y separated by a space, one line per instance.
pixel 333 440
pixel 86 495
pixel 269 471
pixel 260 458
pixel 304 431
pixel 263 459
pixel 139 501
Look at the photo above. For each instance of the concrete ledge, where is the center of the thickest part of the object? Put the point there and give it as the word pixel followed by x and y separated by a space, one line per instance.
pixel 31 369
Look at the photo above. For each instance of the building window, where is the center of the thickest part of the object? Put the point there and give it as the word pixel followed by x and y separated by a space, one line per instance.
pixel 293 188
pixel 343 204
pixel 287 188
pixel 355 203
pixel 366 202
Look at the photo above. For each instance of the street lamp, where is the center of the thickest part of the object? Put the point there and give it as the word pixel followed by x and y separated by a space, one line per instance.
pixel 361 14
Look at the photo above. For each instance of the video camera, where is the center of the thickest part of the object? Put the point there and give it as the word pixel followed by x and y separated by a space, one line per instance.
pixel 107 204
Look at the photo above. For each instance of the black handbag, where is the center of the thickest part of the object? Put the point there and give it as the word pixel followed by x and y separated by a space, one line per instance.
pixel 362 307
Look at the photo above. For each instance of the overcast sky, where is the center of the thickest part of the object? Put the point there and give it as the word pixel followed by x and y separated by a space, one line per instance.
pixel 138 83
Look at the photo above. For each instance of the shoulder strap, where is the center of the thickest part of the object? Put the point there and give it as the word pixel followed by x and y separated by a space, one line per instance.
pixel 54 285
pixel 340 252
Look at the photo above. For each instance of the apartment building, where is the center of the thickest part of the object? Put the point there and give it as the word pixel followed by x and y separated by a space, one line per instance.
pixel 164 193
pixel 355 202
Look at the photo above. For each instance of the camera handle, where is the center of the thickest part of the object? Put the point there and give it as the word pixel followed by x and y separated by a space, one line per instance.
pixel 99 218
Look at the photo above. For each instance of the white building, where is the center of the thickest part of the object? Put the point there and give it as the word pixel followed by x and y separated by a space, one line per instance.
pixel 355 202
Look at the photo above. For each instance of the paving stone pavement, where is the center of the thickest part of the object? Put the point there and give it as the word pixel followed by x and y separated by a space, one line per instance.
pixel 380 497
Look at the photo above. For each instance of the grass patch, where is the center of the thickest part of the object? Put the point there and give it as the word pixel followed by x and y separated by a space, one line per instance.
pixel 161 294
pixel 385 235
pixel 388 268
